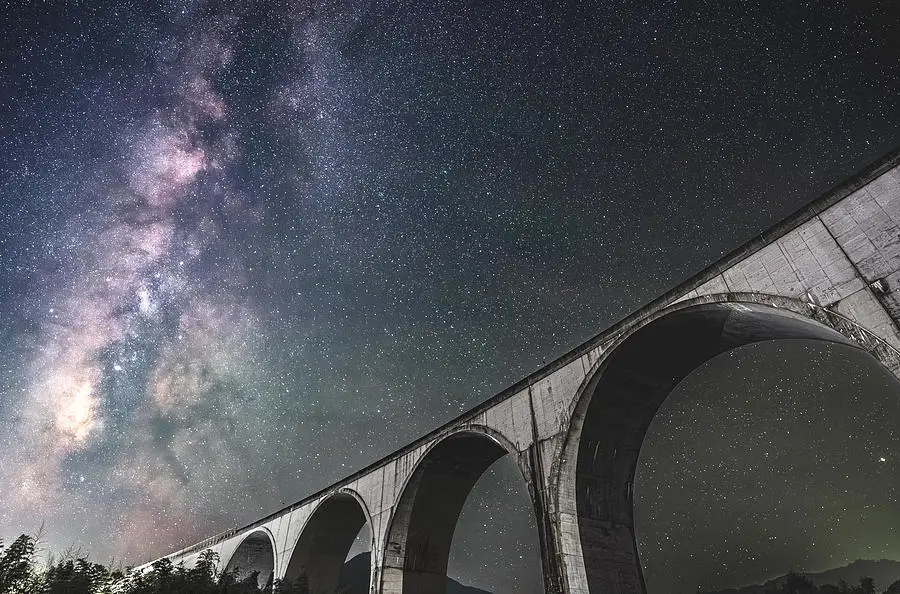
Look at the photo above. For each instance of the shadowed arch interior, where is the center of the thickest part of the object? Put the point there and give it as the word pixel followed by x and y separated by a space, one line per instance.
pixel 637 377
pixel 421 533
pixel 324 544
pixel 254 554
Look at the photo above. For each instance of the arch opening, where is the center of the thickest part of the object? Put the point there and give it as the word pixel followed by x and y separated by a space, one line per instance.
pixel 770 458
pixel 622 400
pixel 496 545
pixel 421 532
pixel 325 543
pixel 254 556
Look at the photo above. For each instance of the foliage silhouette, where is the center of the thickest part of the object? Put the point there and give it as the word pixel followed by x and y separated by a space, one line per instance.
pixel 17 568
pixel 20 573
pixel 798 583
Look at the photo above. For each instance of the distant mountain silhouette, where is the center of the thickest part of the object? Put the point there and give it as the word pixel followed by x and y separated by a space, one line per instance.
pixel 355 579
pixel 883 571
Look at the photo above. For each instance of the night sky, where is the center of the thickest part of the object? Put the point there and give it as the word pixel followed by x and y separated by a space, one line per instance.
pixel 246 249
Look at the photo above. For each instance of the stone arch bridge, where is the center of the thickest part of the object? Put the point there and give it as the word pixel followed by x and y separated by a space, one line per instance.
pixel 830 272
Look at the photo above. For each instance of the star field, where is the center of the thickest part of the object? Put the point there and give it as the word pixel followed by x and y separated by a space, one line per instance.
pixel 247 248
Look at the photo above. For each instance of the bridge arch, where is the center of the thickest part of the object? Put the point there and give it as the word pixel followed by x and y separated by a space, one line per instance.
pixel 325 540
pixel 255 553
pixel 594 475
pixel 420 530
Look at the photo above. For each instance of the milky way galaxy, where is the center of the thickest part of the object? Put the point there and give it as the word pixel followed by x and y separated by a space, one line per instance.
pixel 135 338
pixel 239 240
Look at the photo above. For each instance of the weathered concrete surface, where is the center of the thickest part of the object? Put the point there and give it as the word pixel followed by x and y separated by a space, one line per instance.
pixel 830 272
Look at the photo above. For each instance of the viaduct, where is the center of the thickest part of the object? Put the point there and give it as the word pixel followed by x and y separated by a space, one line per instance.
pixel 829 272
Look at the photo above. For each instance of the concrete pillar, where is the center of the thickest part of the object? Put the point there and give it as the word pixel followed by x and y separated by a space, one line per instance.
pixel 532 464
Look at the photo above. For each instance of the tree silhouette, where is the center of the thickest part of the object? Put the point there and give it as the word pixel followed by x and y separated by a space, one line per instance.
pixel 79 576
pixel 797 583
pixel 74 574
pixel 867 585
pixel 17 574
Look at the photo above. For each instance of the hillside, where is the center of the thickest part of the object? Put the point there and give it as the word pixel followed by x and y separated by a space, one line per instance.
pixel 883 571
